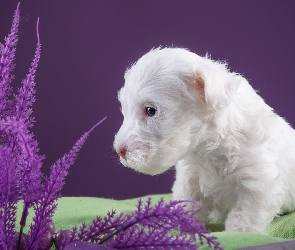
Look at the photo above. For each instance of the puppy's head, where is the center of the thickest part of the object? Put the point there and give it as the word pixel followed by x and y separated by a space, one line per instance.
pixel 167 96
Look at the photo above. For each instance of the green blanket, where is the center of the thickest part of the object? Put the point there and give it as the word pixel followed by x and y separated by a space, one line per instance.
pixel 75 210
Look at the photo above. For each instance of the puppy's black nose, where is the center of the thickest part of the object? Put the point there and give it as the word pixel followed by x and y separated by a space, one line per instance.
pixel 122 152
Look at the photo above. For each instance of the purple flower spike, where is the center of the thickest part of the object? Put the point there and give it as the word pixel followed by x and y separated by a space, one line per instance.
pixel 47 204
pixel 20 162
pixel 8 190
pixel 154 226
pixel 163 226
pixel 7 63
pixel 25 97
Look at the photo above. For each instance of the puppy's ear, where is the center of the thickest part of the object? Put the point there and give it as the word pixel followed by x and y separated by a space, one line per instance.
pixel 217 85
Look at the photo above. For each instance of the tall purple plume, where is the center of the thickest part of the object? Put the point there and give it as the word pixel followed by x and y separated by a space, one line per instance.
pixel 20 162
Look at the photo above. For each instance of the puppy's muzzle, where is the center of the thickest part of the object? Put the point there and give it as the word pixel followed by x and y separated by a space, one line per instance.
pixel 122 152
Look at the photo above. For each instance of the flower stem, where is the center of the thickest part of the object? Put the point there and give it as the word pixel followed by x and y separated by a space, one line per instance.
pixel 24 214
pixel 96 125
pixel 19 237
pixel 23 222
pixel 110 236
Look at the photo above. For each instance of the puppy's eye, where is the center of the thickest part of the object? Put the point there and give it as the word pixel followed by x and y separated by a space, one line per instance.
pixel 150 111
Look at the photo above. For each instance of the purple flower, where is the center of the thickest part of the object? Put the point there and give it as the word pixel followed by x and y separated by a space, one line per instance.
pixel 100 227
pixel 8 161
pixel 20 162
pixel 7 52
pixel 47 204
pixel 160 226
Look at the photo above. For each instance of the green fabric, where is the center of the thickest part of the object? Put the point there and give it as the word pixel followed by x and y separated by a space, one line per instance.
pixel 75 210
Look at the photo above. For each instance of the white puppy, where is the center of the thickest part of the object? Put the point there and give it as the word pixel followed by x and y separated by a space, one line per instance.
pixel 232 152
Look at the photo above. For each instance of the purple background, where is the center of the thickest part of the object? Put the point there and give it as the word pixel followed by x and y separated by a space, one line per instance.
pixel 87 45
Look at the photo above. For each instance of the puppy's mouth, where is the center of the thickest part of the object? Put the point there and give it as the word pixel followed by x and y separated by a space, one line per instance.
pixel 136 157
pixel 145 163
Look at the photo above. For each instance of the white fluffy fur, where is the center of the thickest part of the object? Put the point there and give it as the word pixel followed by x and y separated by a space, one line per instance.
pixel 231 151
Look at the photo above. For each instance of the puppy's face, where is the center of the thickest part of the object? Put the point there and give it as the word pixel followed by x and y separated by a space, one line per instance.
pixel 159 105
pixel 166 100
pixel 152 137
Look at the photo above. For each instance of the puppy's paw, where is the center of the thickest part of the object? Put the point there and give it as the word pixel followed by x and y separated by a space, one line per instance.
pixel 202 213
pixel 240 221
pixel 217 217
